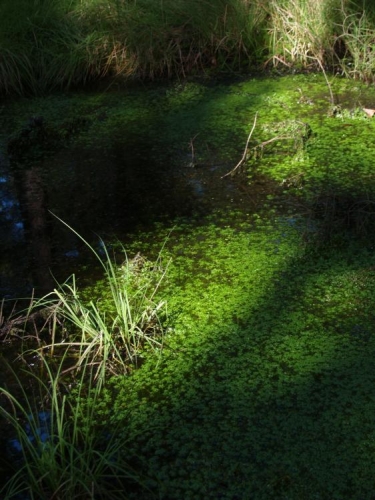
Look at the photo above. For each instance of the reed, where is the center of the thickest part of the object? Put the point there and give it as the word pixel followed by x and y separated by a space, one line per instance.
pixel 56 448
pixel 112 333
pixel 358 39
pixel 169 38
pixel 41 48
pixel 48 44
pixel 69 42
pixel 302 32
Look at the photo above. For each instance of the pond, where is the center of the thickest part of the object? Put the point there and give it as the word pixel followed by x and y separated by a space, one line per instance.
pixel 108 163
pixel 268 362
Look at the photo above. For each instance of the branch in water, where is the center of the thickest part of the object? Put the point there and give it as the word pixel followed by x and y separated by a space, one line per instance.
pixel 246 148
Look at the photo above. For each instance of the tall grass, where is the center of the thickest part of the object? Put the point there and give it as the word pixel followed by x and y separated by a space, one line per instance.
pixel 358 38
pixel 46 44
pixel 57 450
pixel 111 333
pixel 51 43
pixel 149 38
pixel 301 32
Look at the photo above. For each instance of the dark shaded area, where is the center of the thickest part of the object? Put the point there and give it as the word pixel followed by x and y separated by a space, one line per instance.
pixel 343 216
pixel 111 186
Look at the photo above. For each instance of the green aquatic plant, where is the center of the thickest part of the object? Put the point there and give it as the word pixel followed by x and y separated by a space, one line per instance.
pixel 56 448
pixel 269 360
pixel 109 334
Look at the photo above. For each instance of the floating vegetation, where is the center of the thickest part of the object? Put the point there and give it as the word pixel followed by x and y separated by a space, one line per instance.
pixel 264 388
pixel 268 368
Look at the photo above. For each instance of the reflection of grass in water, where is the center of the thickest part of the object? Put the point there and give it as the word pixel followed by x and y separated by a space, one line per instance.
pixel 265 390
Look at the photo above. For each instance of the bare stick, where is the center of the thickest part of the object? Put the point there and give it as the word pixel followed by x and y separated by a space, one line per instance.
pixel 270 141
pixel 191 144
pixel 245 151
pixel 325 76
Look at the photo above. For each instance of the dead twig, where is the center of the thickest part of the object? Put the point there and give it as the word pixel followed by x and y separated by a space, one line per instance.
pixel 191 144
pixel 15 325
pixel 332 97
pixel 245 151
pixel 270 141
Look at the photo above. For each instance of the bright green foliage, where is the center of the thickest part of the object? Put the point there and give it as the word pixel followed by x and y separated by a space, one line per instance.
pixel 109 332
pixel 265 386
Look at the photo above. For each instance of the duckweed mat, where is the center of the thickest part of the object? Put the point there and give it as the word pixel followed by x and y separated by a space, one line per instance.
pixel 265 386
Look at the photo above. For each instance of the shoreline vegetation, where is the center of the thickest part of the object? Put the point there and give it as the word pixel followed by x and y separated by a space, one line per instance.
pixel 60 44
pixel 58 447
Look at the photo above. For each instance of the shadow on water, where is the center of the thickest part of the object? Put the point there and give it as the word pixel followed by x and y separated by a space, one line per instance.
pixel 274 402
pixel 109 173
pixel 281 436
pixel 106 195
pixel 277 404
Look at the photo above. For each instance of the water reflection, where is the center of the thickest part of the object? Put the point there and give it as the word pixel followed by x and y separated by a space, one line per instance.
pixel 12 234
pixel 104 191
pixel 34 207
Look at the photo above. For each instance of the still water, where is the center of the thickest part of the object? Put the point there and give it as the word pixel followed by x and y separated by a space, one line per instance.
pixel 109 163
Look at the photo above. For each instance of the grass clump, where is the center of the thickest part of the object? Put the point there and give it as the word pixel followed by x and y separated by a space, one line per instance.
pixel 51 44
pixel 43 46
pixel 46 44
pixel 109 335
pixel 61 445
pixel 357 37
pixel 301 32
pixel 56 448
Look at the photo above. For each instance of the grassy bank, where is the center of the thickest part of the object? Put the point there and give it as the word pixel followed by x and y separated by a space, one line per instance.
pixel 46 44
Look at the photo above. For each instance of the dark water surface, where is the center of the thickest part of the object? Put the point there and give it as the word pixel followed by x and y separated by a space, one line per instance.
pixel 108 189
pixel 109 163
pixel 106 195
